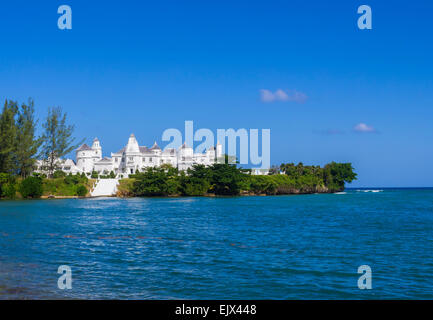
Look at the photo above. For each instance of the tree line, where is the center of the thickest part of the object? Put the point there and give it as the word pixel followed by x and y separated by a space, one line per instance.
pixel 20 146
pixel 229 180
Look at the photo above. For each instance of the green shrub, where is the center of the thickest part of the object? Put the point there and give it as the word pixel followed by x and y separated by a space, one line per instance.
pixel 94 175
pixel 31 187
pixel 75 179
pixel 5 178
pixel 7 185
pixel 81 191
pixel 8 190
pixel 196 183
pixel 222 179
pixel 263 184
pixel 195 189
pixel 83 179
pixel 59 174
pixel 156 182
pixel 125 187
pixel 226 179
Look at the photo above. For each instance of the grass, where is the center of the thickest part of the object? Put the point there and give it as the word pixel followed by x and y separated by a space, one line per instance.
pixel 58 187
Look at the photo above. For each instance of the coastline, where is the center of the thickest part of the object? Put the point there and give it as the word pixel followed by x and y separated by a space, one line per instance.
pixel 210 195
pixel 200 181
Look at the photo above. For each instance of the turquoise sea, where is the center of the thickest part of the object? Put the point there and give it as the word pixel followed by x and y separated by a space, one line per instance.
pixel 281 247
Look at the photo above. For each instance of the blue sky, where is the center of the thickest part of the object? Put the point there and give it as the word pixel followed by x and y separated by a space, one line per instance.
pixel 143 67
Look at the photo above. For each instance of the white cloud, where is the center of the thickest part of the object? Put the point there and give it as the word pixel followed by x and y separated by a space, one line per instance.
pixel 266 95
pixel 281 95
pixel 362 127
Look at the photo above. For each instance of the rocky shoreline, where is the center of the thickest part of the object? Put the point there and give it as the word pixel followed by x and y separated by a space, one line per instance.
pixel 209 195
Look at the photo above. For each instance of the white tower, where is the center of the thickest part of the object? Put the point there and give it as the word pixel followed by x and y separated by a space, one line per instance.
pixel 85 158
pixel 219 150
pixel 96 147
pixel 132 155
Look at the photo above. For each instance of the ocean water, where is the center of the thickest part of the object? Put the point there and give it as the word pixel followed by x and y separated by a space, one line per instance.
pixel 282 247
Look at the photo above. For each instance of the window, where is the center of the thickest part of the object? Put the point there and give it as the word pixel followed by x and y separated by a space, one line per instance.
pixel 132 170
pixel 131 159
pixel 150 159
pixel 116 159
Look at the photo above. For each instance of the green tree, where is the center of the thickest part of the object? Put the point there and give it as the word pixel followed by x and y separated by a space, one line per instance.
pixel 73 179
pixel 156 182
pixel 263 184
pixel 59 174
pixel 289 169
pixel 336 174
pixel 196 182
pixel 225 179
pixel 57 140
pixel 81 191
pixel 7 185
pixel 26 144
pixel 31 187
pixel 8 137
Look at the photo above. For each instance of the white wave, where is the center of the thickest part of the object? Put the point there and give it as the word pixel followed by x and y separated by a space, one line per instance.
pixel 372 190
pixel 341 193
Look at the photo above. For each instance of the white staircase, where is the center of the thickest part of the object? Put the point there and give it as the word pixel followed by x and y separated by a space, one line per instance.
pixel 105 188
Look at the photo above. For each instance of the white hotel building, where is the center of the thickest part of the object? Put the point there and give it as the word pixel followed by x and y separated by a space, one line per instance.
pixel 133 158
